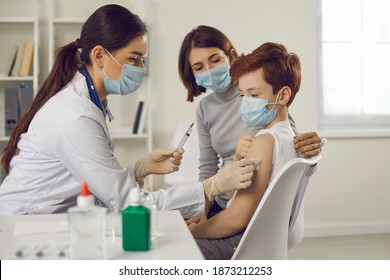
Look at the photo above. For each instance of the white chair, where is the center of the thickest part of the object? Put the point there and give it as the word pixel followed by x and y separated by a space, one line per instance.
pixel 296 224
pixel 189 167
pixel 266 236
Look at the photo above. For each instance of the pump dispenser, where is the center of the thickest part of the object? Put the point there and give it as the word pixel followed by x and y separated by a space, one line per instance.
pixel 136 224
pixel 86 227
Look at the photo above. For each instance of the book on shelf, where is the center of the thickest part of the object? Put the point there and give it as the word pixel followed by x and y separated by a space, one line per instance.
pixel 27 60
pixel 23 62
pixel 11 61
pixel 18 60
pixel 141 126
pixel 26 97
pixel 17 101
pixel 139 121
pixel 11 104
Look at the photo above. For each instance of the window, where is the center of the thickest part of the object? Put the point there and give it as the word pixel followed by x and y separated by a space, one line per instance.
pixel 355 65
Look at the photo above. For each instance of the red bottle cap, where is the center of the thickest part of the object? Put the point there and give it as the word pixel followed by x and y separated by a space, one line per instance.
pixel 84 189
pixel 85 198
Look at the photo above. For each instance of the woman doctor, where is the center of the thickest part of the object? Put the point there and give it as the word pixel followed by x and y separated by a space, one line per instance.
pixel 63 139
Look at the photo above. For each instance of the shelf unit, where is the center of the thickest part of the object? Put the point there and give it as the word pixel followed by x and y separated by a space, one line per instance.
pixel 15 30
pixel 63 29
pixel 27 24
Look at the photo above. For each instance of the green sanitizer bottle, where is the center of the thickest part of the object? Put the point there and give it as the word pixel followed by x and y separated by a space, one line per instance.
pixel 136 224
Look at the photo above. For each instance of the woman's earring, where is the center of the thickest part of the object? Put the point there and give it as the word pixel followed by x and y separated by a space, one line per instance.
pixel 101 66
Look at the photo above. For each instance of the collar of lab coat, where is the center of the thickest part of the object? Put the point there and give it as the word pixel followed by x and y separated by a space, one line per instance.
pixel 80 87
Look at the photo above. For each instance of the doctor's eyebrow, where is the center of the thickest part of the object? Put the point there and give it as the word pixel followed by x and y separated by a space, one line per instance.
pixel 136 53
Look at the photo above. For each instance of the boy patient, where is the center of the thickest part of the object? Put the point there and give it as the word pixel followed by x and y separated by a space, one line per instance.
pixel 269 78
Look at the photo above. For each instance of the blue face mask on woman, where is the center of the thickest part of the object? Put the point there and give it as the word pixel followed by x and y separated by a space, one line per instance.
pixel 253 111
pixel 130 80
pixel 217 79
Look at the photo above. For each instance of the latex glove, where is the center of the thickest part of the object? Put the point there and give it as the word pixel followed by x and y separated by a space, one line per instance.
pixel 234 176
pixel 309 144
pixel 242 148
pixel 160 161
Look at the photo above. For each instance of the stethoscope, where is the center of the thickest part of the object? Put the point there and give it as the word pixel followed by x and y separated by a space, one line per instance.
pixel 93 94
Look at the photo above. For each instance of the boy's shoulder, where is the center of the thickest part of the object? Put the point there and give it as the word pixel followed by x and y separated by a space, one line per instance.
pixel 264 139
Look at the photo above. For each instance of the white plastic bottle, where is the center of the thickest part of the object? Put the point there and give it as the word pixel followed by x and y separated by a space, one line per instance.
pixel 86 228
pixel 147 201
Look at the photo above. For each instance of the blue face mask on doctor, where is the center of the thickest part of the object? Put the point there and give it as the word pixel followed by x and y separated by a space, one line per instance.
pixel 216 79
pixel 130 80
pixel 254 112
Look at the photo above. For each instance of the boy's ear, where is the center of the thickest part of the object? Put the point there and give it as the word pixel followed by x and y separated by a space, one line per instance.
pixel 285 96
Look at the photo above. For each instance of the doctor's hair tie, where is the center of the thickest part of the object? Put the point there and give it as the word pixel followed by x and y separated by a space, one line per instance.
pixel 78 43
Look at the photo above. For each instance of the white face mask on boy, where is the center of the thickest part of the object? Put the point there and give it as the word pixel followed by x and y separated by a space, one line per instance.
pixel 254 112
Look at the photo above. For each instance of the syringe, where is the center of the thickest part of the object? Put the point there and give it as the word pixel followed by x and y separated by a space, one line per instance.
pixel 185 137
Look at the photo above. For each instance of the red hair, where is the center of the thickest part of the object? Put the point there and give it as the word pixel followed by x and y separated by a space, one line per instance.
pixel 280 68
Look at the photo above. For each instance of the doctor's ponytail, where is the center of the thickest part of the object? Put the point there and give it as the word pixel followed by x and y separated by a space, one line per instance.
pixel 111 26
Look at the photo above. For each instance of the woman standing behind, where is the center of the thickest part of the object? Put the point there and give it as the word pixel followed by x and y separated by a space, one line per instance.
pixel 205 58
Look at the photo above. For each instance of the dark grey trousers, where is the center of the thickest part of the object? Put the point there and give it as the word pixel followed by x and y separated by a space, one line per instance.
pixel 219 249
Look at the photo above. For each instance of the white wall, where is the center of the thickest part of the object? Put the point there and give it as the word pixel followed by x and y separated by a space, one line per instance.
pixel 350 193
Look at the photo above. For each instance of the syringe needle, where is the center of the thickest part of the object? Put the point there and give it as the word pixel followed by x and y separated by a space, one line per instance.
pixel 185 137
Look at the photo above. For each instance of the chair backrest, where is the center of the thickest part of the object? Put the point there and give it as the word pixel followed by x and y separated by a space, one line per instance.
pixel 296 225
pixel 189 167
pixel 266 235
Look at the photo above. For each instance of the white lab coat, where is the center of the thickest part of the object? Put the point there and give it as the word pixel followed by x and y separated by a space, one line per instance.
pixel 68 142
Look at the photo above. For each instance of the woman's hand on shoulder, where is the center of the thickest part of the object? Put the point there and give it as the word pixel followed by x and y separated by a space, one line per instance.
pixel 309 144
pixel 243 146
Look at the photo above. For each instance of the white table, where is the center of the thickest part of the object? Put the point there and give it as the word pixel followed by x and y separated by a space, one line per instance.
pixel 174 240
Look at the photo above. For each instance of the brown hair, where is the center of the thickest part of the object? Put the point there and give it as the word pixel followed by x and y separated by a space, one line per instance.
pixel 111 26
pixel 280 68
pixel 201 37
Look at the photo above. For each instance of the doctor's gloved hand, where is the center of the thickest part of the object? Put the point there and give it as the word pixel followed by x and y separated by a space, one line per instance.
pixel 242 147
pixel 234 176
pixel 160 161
